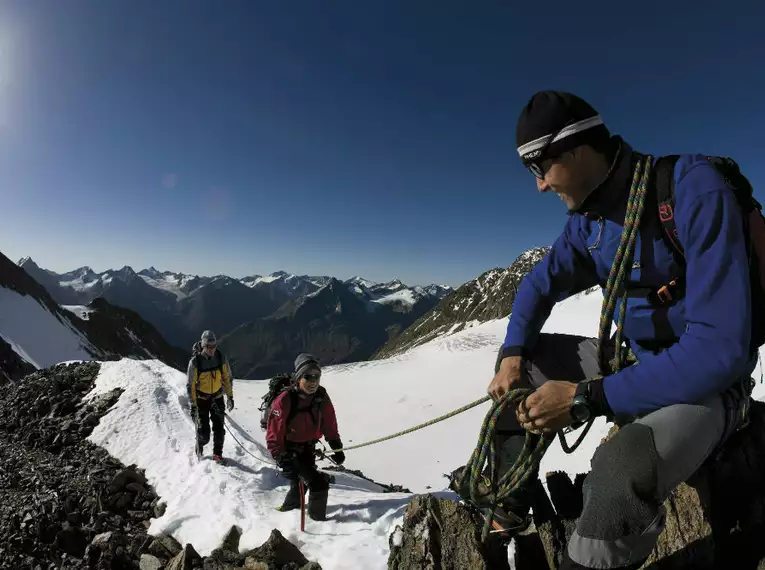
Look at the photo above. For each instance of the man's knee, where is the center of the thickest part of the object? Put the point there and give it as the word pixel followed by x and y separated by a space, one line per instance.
pixel 622 516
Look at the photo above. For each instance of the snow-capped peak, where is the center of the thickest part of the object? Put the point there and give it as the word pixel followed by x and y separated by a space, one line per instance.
pixel 358 280
pixel 153 272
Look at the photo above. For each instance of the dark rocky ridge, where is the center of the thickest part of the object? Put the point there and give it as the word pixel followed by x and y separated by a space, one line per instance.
pixel 489 296
pixel 110 332
pixel 67 504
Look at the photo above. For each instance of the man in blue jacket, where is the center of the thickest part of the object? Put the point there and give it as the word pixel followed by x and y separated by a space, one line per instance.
pixel 690 386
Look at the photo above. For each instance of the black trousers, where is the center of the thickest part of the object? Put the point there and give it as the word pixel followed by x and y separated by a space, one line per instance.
pixel 211 410
pixel 305 467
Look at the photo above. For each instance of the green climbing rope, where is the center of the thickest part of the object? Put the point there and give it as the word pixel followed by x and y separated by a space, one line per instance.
pixel 621 266
pixel 535 445
pixel 499 490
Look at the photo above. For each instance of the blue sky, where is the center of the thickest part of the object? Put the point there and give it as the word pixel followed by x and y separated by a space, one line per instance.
pixel 338 137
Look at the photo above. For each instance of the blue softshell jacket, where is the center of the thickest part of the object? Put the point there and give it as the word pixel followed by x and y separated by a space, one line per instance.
pixel 692 349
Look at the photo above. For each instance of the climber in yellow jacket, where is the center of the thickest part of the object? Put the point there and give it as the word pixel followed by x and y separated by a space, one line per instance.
pixel 209 376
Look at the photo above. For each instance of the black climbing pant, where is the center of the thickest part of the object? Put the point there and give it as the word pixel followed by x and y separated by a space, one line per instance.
pixel 303 466
pixel 211 410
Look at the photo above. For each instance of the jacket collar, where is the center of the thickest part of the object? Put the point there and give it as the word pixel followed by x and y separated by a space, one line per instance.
pixel 611 195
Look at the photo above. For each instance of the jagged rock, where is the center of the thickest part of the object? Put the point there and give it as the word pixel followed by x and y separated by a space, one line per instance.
pixel 164 546
pixel 714 520
pixel 125 477
pixel 72 541
pixel 231 540
pixel 390 488
pixel 439 534
pixel 159 509
pixel 184 560
pixel 149 562
pixel 276 551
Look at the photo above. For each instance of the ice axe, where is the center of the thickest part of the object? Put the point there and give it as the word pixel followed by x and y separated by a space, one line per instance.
pixel 301 486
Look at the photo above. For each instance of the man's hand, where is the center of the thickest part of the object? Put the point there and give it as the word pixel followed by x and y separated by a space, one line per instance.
pixel 230 403
pixel 509 373
pixel 546 410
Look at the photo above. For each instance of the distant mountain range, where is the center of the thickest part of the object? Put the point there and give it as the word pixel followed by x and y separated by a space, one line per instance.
pixel 261 318
pixel 340 322
pixel 264 321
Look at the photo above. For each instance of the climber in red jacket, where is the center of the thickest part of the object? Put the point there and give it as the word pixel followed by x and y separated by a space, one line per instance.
pixel 299 417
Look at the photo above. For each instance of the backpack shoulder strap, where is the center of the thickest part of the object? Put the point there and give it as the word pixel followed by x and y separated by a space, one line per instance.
pixel 665 197
pixel 293 396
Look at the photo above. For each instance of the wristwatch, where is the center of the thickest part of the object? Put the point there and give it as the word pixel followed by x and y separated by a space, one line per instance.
pixel 580 408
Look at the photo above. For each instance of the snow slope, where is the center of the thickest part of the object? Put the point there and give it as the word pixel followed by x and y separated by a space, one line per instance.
pixel 36 334
pixel 150 426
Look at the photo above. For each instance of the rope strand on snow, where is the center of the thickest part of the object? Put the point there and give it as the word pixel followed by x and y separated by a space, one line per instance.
pixel 225 424
pixel 418 427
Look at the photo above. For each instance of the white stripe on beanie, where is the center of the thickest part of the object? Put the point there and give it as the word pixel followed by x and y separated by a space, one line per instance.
pixel 573 129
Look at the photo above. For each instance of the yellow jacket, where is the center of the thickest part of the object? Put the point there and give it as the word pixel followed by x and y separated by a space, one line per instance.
pixel 208 377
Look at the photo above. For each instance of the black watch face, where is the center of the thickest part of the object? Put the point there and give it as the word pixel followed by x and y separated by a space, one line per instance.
pixel 580 412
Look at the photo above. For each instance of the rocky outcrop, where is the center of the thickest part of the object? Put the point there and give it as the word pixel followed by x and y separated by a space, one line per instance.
pixel 389 488
pixel 122 332
pixel 714 520
pixel 12 366
pixel 439 534
pixel 67 504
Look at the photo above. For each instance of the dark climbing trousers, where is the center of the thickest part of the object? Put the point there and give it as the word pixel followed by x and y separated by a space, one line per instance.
pixel 211 410
pixel 303 466
pixel 634 472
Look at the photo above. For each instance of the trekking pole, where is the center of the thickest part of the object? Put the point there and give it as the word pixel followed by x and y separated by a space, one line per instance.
pixel 302 505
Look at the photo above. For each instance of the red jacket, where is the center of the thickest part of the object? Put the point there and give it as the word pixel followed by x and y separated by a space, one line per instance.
pixel 304 426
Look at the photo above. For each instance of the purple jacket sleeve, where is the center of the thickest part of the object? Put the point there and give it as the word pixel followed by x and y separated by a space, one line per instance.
pixel 714 349
pixel 566 270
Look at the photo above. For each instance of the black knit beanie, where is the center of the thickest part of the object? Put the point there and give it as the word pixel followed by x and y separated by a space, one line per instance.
pixel 568 119
pixel 303 363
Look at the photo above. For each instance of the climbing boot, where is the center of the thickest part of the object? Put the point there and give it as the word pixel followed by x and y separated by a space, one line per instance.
pixel 506 523
pixel 317 505
pixel 292 500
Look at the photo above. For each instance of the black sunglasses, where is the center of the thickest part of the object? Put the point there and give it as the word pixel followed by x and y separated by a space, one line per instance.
pixel 312 377
pixel 536 167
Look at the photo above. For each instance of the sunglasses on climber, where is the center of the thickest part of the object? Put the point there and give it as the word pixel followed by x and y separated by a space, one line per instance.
pixel 312 376
pixel 541 164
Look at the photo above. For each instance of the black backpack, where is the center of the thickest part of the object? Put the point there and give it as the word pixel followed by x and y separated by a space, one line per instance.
pixel 276 386
pixel 754 228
